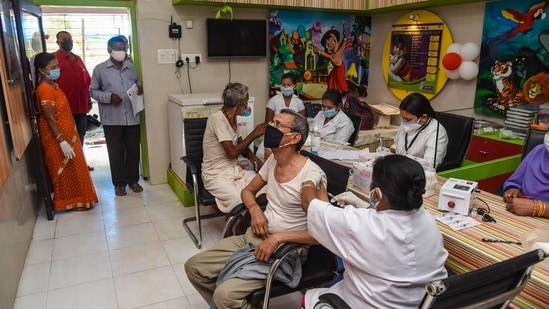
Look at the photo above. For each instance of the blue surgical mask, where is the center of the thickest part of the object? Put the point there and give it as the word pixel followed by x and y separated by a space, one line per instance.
pixel 287 91
pixel 372 203
pixel 54 74
pixel 329 113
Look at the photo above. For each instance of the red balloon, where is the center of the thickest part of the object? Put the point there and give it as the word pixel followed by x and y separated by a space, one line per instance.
pixel 451 61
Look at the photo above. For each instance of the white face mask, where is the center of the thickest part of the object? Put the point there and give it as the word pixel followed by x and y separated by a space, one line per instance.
pixel 546 141
pixel 118 55
pixel 411 126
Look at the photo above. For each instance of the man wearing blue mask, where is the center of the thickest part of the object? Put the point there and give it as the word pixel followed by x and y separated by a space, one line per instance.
pixel 332 123
pixel 284 176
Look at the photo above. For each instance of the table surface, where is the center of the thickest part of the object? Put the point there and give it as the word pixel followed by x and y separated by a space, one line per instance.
pixel 467 252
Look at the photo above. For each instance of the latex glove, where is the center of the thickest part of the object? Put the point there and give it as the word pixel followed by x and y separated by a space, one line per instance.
pixel 316 176
pixel 348 198
pixel 67 150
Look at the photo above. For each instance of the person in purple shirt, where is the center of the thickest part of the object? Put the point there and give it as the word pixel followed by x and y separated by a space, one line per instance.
pixel 526 192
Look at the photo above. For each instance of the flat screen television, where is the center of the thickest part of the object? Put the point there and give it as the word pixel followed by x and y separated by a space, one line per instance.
pixel 236 38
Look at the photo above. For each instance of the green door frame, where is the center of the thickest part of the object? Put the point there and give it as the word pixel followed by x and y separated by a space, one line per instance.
pixel 130 4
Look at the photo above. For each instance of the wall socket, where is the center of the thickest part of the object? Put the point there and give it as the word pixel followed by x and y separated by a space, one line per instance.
pixel 192 57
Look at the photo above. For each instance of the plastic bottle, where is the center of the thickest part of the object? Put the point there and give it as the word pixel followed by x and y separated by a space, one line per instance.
pixel 315 140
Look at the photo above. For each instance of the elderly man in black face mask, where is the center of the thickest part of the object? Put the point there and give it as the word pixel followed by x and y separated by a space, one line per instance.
pixel 74 81
pixel 284 174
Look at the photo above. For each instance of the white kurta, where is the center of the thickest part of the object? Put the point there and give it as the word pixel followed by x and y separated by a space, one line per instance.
pixel 424 144
pixel 340 128
pixel 389 256
pixel 276 103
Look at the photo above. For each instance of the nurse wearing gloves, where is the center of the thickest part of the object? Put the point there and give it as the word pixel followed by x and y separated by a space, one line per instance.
pixel 391 248
pixel 420 135
pixel 332 123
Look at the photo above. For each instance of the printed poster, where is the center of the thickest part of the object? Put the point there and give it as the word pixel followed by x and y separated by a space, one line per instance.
pixel 414 57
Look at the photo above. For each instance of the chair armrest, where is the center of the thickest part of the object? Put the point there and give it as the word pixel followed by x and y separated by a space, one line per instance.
pixel 241 207
pixel 190 165
pixel 333 300
pixel 286 248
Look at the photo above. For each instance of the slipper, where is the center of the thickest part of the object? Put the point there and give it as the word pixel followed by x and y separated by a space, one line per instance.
pixel 119 191
pixel 136 187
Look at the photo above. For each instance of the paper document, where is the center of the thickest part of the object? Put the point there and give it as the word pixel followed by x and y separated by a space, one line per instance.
pixel 137 100
pixel 341 154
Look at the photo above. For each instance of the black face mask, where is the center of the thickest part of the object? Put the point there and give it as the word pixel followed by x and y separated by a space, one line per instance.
pixel 273 136
pixel 66 45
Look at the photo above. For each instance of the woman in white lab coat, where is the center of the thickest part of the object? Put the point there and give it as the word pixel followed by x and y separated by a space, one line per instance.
pixel 391 248
pixel 420 134
pixel 331 122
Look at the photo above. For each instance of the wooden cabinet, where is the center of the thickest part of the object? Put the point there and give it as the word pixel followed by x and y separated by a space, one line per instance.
pixel 484 149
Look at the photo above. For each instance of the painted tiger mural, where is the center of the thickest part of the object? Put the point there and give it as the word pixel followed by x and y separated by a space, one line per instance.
pixel 508 93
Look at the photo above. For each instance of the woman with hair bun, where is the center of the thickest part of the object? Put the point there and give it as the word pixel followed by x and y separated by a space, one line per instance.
pixel 391 248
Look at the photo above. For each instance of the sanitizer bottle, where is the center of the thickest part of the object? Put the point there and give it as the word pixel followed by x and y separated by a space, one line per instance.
pixel 315 140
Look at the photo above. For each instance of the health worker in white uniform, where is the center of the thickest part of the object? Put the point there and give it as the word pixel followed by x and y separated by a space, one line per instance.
pixel 331 122
pixel 420 134
pixel 391 249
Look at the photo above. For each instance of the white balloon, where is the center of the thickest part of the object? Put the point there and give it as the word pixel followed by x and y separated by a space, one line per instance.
pixel 468 70
pixel 452 74
pixel 454 48
pixel 470 51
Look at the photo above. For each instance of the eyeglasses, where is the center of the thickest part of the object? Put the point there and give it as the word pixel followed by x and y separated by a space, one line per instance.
pixel 278 125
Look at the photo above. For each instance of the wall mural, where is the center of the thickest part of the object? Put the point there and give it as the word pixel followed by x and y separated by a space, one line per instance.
pixel 325 51
pixel 514 61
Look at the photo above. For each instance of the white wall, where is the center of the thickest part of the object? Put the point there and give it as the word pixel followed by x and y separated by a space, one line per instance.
pixel 153 16
pixel 159 80
pixel 465 23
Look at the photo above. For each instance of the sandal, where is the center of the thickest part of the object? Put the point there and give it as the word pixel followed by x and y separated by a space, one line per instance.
pixel 119 191
pixel 136 187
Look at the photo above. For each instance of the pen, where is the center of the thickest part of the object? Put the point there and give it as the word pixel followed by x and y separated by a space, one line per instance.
pixel 524 196
pixel 501 241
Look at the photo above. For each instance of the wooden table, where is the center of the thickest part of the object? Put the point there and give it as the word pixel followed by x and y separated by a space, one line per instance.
pixel 468 252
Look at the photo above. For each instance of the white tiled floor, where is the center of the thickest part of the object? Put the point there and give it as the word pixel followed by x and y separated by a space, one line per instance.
pixel 127 252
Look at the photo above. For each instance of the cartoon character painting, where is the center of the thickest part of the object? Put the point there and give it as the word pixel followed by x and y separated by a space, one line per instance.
pixel 514 63
pixel 320 50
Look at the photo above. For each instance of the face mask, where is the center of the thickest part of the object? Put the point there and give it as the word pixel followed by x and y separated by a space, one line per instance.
pixel 118 55
pixel 273 136
pixel 546 141
pixel 54 74
pixel 372 203
pixel 329 113
pixel 411 126
pixel 66 45
pixel 287 91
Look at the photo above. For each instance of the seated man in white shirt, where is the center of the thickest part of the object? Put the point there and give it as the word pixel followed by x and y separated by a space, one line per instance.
pixel 284 219
pixel 223 177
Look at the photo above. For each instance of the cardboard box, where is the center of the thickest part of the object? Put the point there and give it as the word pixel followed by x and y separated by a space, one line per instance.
pixel 385 111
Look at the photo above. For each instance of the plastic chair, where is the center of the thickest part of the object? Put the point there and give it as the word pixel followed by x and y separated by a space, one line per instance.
pixel 460 132
pixel 194 133
pixel 492 286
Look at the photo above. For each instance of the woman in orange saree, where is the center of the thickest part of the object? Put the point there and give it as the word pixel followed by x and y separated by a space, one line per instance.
pixel 73 188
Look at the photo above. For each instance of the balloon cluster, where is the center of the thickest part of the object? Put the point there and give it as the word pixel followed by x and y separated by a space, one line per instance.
pixel 458 61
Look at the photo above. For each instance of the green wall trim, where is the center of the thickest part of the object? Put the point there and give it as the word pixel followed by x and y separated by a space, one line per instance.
pixel 130 4
pixel 180 189
pixel 479 171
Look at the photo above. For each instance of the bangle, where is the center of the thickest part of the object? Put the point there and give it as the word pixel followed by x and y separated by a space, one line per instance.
pixel 541 208
pixel 58 136
pixel 534 209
